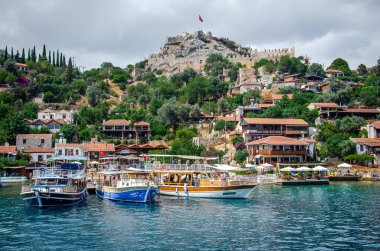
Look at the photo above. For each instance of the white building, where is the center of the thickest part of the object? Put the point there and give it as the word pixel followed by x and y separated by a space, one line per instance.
pixel 57 114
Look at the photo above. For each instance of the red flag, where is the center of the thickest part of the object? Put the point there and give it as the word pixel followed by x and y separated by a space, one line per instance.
pixel 200 19
pixel 72 153
pixel 102 154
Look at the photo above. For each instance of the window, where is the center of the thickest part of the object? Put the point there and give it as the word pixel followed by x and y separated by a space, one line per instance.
pixel 43 117
pixel 64 116
pixel 42 141
pixel 361 148
pixel 76 152
pixel 60 152
pixel 24 141
pixel 51 116
pixel 40 158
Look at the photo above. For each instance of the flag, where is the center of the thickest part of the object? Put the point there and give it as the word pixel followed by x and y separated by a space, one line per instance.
pixel 72 153
pixel 200 19
pixel 102 154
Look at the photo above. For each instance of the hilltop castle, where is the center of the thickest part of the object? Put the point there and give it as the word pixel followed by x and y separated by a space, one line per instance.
pixel 191 51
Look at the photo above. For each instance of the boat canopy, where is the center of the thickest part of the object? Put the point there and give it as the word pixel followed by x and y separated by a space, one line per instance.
pixel 224 167
pixel 67 158
pixel 183 156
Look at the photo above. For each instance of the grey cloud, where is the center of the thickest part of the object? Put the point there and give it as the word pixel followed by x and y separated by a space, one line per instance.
pixel 124 32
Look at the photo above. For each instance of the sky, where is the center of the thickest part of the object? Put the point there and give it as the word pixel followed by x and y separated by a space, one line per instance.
pixel 127 31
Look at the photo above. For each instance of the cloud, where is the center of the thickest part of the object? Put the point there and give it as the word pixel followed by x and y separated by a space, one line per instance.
pixel 127 31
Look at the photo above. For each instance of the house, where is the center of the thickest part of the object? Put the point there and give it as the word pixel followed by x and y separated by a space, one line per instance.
pixel 94 151
pixel 56 113
pixel 25 141
pixel 21 67
pixel 277 149
pixel 54 125
pixel 39 154
pixel 373 130
pixel 278 97
pixel 245 81
pixel 121 128
pixel 365 113
pixel 331 73
pixel 151 145
pixel 370 146
pixel 8 152
pixel 256 128
pixel 69 149
pixel 325 109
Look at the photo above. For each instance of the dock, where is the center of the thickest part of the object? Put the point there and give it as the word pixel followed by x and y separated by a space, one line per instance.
pixel 344 178
pixel 307 182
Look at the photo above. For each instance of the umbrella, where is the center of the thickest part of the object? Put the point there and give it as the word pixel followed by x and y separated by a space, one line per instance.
pixel 94 163
pixel 344 165
pixel 320 169
pixel 288 169
pixel 267 165
pixel 304 169
pixel 249 165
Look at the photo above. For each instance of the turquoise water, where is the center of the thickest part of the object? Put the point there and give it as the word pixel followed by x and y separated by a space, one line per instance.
pixel 341 216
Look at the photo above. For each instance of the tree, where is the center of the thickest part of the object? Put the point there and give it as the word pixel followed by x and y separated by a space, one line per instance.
pixel 347 147
pixel 29 55
pixel 49 97
pixel 44 52
pixel 49 59
pixel 215 63
pixel 241 155
pixel 341 65
pixel 222 124
pixel 70 132
pixel 23 56
pixel 350 124
pixel 369 96
pixel 196 90
pixel 251 95
pixel 6 53
pixel 237 139
pixel 57 59
pixel 316 70
pixel 33 54
pixel 53 59
pixel 69 71
pixel 362 70
pixel 223 105
pixel 94 94
pixel 30 110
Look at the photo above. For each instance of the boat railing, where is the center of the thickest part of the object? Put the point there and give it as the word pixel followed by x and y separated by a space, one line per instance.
pixel 129 182
pixel 56 172
pixel 25 188
pixel 158 166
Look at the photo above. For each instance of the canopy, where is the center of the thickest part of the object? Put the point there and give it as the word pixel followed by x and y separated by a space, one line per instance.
pixel 250 165
pixel 94 163
pixel 68 158
pixel 183 156
pixel 267 165
pixel 344 165
pixel 288 169
pixel 320 169
pixel 224 167
pixel 304 169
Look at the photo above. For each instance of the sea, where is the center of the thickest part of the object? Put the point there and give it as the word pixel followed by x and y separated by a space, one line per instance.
pixel 339 216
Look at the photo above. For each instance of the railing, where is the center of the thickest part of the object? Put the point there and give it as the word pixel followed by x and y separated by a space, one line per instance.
pixel 277 152
pixel 178 167
pixel 293 132
pixel 49 189
pixel 272 132
pixel 55 172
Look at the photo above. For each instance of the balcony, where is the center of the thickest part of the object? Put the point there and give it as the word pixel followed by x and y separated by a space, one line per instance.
pixel 296 132
pixel 269 132
pixel 277 152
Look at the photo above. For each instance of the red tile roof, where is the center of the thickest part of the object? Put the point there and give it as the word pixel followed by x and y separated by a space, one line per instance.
pixel 280 96
pixel 266 105
pixel 142 123
pixel 69 145
pixel 333 71
pixel 36 136
pixel 360 110
pixel 309 140
pixel 46 121
pixel 325 105
pixel 97 147
pixel 275 121
pixel 8 149
pixel 229 119
pixel 277 140
pixel 370 142
pixel 376 124
pixel 38 150
pixel 116 122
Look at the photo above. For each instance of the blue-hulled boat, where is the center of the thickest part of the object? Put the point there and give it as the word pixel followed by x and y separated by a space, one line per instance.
pixel 59 185
pixel 128 186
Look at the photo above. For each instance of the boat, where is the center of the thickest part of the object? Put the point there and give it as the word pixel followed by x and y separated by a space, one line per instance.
pixel 127 186
pixel 61 184
pixel 15 178
pixel 198 180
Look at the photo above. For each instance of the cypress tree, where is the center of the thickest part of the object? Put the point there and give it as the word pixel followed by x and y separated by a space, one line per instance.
pixel 12 53
pixel 61 60
pixel 17 57
pixel 64 61
pixel 34 56
pixel 69 71
pixel 6 53
pixel 23 56
pixel 57 55
pixel 54 58
pixel 49 57
pixel 44 52
pixel 29 54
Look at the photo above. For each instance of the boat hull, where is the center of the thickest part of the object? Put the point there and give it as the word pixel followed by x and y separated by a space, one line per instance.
pixel 140 194
pixel 228 192
pixel 44 199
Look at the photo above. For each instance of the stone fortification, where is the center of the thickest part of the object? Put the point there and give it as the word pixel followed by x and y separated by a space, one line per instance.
pixel 191 51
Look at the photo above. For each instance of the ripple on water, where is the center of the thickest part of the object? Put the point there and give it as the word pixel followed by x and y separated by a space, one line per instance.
pixel 339 216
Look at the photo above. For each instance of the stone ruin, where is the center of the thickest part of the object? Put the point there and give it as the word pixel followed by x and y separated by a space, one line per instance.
pixel 190 50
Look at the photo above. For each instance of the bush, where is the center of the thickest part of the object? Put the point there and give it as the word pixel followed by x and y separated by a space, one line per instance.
pixel 237 139
pixel 221 124
pixel 241 155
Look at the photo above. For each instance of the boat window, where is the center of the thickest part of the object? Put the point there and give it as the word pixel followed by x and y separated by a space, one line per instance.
pixel 62 182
